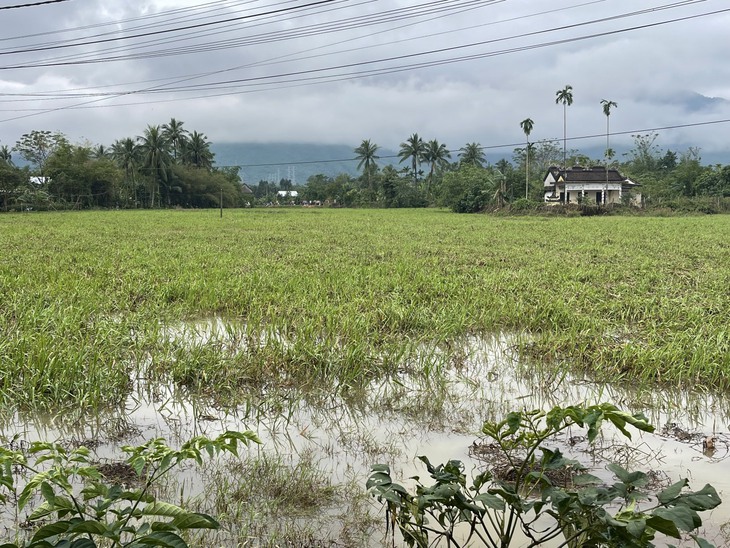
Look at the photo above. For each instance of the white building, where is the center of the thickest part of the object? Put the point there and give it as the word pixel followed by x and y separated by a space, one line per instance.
pixel 593 185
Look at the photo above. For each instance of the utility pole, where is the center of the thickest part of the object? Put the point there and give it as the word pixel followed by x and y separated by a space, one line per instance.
pixel 221 202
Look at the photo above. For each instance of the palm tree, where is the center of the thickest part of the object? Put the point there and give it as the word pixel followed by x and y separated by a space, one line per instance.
pixel 527 124
pixel 155 151
pixel 607 106
pixel 413 148
pixel 565 96
pixel 472 154
pixel 6 155
pixel 196 151
pixel 126 155
pixel 100 151
pixel 176 135
pixel 366 154
pixel 438 156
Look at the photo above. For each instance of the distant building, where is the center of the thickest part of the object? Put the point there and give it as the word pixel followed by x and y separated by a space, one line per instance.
pixel 287 194
pixel 592 185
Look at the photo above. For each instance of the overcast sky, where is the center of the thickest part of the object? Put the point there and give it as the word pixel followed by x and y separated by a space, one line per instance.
pixel 341 71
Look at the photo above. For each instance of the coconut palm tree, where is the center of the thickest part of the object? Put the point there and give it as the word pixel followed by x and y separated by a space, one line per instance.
pixel 366 153
pixel 413 149
pixel 176 135
pixel 126 155
pixel 472 154
pixel 155 148
pixel 99 152
pixel 565 96
pixel 438 156
pixel 196 151
pixel 6 155
pixel 527 124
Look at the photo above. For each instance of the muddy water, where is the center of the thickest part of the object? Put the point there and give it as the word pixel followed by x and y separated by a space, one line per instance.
pixel 396 420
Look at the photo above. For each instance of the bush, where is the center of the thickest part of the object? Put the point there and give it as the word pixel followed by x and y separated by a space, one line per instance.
pixel 584 513
pixel 116 515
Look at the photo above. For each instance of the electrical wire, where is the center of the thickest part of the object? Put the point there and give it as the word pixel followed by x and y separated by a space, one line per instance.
pixel 32 5
pixel 496 146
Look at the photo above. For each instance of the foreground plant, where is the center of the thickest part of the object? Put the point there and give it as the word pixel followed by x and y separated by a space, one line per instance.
pixel 494 507
pixel 99 513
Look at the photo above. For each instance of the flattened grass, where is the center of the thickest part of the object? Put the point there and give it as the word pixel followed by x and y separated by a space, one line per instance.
pixel 344 295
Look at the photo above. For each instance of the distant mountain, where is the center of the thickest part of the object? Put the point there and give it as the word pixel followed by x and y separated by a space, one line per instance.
pixel 294 161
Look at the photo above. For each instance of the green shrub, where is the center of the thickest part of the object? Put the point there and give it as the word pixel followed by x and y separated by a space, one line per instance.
pixel 585 512
pixel 80 507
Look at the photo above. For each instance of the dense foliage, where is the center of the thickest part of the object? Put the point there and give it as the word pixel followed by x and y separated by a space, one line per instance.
pixel 542 497
pixel 71 503
pixel 167 166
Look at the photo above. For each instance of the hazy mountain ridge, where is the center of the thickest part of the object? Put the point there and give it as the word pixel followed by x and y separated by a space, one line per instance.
pixel 294 161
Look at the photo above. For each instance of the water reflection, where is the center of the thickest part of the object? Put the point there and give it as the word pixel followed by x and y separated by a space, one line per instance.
pixel 395 419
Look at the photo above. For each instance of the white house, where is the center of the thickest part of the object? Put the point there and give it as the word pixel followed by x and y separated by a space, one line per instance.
pixel 593 185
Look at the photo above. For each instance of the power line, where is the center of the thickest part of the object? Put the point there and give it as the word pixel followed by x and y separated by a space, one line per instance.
pixel 33 5
pixel 164 31
pixel 312 76
pixel 498 146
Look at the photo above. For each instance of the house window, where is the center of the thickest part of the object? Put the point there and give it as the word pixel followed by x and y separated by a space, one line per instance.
pixel 598 197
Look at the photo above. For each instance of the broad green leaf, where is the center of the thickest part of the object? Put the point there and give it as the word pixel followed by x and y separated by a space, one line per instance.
pixel 663 525
pixel 514 420
pixel 704 499
pixel 702 543
pixel 47 492
pixel 50 530
pixel 163 538
pixel 636 527
pixel 163 509
pixel 88 526
pixel 672 492
pixel 490 501
pixel 41 511
pixel 682 516
pixel 195 521
pixel 83 543
pixel 587 479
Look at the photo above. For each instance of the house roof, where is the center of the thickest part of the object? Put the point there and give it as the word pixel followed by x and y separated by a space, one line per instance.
pixel 594 174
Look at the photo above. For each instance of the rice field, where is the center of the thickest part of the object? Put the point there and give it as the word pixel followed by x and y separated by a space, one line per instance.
pixel 350 337
pixel 341 296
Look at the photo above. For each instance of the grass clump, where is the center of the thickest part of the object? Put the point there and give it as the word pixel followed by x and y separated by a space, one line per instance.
pixel 269 500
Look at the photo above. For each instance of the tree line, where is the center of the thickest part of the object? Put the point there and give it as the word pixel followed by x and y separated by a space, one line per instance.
pixel 166 166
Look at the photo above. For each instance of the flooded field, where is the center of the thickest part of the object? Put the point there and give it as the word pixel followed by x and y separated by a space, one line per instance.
pixel 327 443
pixel 347 339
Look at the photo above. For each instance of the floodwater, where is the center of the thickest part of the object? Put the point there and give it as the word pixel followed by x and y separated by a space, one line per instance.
pixel 395 420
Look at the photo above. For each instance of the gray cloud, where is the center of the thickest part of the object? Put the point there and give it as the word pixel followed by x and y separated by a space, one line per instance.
pixel 657 74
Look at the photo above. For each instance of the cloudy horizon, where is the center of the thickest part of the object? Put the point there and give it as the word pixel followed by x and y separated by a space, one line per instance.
pixel 340 71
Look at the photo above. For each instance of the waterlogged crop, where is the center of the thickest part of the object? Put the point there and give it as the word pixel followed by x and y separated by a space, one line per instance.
pixel 334 298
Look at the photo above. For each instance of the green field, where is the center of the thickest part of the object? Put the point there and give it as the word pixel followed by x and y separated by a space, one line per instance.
pixel 334 298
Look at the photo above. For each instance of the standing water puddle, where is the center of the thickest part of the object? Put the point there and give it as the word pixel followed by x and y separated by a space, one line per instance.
pixel 335 439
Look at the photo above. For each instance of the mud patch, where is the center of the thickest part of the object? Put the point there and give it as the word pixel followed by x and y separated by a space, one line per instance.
pixel 120 473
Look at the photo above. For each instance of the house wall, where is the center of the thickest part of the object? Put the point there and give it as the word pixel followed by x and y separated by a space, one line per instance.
pixel 595 193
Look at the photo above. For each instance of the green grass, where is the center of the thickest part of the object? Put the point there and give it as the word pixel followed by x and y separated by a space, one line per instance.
pixel 341 296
